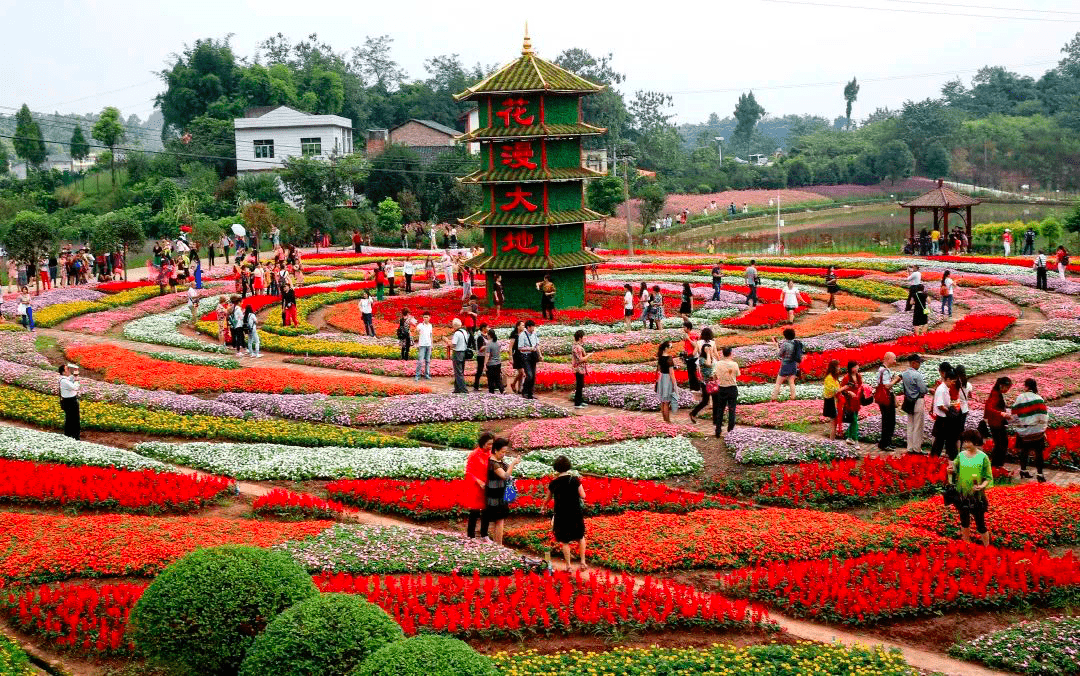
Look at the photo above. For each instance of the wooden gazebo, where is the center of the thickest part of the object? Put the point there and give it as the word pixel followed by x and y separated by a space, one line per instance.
pixel 941 201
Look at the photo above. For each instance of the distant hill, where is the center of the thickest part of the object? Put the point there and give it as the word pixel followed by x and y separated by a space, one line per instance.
pixel 771 132
pixel 56 128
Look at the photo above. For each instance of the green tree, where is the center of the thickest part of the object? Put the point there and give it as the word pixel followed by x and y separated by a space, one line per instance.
pixel 202 80
pixel 29 237
pixel 293 224
pixel 374 62
pixel 388 216
pixel 258 219
pixel 936 163
pixel 443 198
pixel 851 93
pixel 747 113
pixel 924 122
pixel 110 131
pixel 1051 228
pixel 209 141
pixel 657 140
pixel 318 218
pixel 127 229
pixel 410 206
pixel 79 147
pixel 798 173
pixel 605 108
pixel 309 180
pixel 258 188
pixel 398 168
pixel 206 231
pixel 605 194
pixel 1072 221
pixel 895 161
pixel 652 198
pixel 4 159
pixel 28 142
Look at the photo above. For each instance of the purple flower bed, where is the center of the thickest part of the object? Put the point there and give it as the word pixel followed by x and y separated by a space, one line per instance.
pixel 756 446
pixel 310 407
pixel 421 408
pixel 52 297
pixel 634 397
pixel 17 346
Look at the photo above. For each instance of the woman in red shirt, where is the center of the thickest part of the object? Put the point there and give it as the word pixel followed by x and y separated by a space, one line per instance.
pixel 476 469
pixel 995 413
pixel 851 386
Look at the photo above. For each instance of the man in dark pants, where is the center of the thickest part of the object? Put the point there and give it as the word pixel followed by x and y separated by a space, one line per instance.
pixel 726 373
pixel 1040 271
pixel 889 379
pixel 480 355
pixel 457 344
pixel 529 347
pixel 404 334
pixel 69 399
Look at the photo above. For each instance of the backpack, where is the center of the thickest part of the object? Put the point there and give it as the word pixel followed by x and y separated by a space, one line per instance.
pixel 469 344
pixel 402 332
pixel 1064 260
pixel 797 351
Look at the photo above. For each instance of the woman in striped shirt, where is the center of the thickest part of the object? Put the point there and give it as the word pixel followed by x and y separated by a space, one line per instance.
pixel 1029 418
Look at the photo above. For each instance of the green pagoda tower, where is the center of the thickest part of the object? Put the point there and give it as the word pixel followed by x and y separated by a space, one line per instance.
pixel 534 213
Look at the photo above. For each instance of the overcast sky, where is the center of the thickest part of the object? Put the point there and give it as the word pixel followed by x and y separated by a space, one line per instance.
pixel 81 55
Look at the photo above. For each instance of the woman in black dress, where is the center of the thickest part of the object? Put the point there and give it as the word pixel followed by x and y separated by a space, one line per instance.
pixel 832 286
pixel 920 313
pixel 516 358
pixel 686 305
pixel 499 472
pixel 498 296
pixel 568 521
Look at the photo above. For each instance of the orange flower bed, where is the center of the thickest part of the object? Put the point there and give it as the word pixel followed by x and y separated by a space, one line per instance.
pixel 845 301
pixel 119 365
pixel 814 325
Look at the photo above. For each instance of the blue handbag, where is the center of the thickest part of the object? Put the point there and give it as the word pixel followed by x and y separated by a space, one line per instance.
pixel 511 491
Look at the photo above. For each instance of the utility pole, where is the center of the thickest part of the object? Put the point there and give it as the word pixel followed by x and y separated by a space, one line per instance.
pixel 626 201
pixel 778 223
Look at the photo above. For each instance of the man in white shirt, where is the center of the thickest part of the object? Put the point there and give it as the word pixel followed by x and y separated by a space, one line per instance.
pixel 69 399
pixel 914 282
pixel 944 435
pixel 408 269
pixel 628 305
pixel 1040 271
pixel 193 302
pixel 529 347
pixel 448 269
pixel 457 344
pixel 889 379
pixel 423 347
pixel 752 283
pixel 390 272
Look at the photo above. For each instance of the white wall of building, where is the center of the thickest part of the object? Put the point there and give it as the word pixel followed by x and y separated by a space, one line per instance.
pixel 286 129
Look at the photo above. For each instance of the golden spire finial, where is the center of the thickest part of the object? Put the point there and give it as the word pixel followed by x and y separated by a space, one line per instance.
pixel 526 46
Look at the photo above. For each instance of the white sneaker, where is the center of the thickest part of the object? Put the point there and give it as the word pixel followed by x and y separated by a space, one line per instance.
pixel 258 356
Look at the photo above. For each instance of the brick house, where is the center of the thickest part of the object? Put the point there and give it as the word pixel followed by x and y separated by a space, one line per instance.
pixel 427 138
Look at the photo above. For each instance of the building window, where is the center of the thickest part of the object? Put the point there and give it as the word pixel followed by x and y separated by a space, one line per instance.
pixel 311 146
pixel 264 149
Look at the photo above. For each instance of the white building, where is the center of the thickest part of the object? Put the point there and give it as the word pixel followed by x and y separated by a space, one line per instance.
pixel 266 136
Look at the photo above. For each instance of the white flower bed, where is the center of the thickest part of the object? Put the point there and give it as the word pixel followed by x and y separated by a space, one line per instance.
pixel 20 443
pixel 638 459
pixel 264 462
pixel 1006 355
pixel 162 329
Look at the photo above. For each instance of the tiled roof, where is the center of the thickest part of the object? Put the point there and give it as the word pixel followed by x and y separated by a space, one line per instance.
pixel 532 131
pixel 431 124
pixel 530 73
pixel 504 175
pixel 533 218
pixel 514 261
pixel 941 197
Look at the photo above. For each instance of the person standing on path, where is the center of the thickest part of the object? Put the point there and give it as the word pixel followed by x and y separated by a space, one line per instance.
pixel 457 345
pixel 706 359
pixel 567 517
pixel 1006 241
pixel 717 280
pixel 365 305
pixel 914 285
pixel 726 374
pixel 579 362
pixel 851 386
pixel 832 287
pixel 1030 419
pixel 498 296
pixel 996 415
pixel 222 313
pixel 935 242
pixel 380 281
pixel 193 303
pixel 752 284
pixel 252 330
pixel 69 399
pixel 628 305
pixel 529 347
pixel 791 300
pixel 946 291
pixel 972 474
pixel 408 270
pixel 790 352
pixel 645 297
pixel 493 351
pixel 547 298
pixel 480 347
pixel 476 467
pixel 686 303
pixel 666 388
pixel 914 383
pixel 225 244
pixel 391 274
pixel 1040 270
pixel 920 314
pixel 946 412
pixel 886 400
pixel 833 407
pixel 517 360
pixel 288 305
pixel 1029 241
pixel 499 473
pixel 423 347
pixel 1062 256
pixel 404 332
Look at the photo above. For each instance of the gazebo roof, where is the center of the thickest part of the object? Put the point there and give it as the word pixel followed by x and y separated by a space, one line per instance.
pixel 941 198
pixel 529 73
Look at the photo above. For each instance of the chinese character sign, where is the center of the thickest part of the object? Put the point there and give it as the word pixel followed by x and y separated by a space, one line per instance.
pixel 514 110
pixel 517 198
pixel 518 155
pixel 520 241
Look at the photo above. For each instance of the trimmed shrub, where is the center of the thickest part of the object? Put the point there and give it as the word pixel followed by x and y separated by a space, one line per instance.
pixel 202 613
pixel 426 656
pixel 328 634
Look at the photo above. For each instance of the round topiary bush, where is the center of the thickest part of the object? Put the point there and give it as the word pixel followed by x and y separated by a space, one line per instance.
pixel 329 634
pixel 201 614
pixel 426 656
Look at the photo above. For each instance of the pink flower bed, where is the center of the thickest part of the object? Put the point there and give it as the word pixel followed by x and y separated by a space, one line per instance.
pixel 101 322
pixel 382 367
pixel 916 184
pixel 1060 379
pixel 583 430
pixel 778 414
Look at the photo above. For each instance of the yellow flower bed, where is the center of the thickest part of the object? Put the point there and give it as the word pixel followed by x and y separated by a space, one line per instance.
pixel 61 312
pixel 131 296
pixel 44 410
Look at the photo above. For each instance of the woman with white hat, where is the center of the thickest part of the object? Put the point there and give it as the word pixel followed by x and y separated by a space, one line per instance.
pixel 1006 241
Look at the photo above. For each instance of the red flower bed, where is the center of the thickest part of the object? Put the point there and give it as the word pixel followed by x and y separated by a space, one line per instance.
pixel 711 538
pixel 107 488
pixel 43 547
pixel 531 603
pixel 114 287
pixel 841 273
pixel 888 585
pixel 565 381
pixel 1020 516
pixel 762 317
pixel 79 617
pixel 282 502
pixel 440 498
pixel 1062 447
pixel 119 365
pixel 261 302
pixel 970 329
pixel 1017 261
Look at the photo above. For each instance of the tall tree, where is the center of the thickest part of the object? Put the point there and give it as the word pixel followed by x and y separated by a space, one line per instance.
pixel 851 93
pixel 658 142
pixel 201 80
pixel 28 238
pixel 937 160
pixel 4 165
pixel 28 142
pixel 747 113
pixel 110 131
pixel 606 108
pixel 79 147
pixel 895 161
pixel 374 62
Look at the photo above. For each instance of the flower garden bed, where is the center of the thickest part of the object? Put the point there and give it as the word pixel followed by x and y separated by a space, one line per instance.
pixel 653 458
pixel 581 430
pixel 285 503
pixel 20 443
pixel 888 585
pixel 445 498
pixel 31 483
pixel 650 542
pixel 753 446
pixel 764 316
pixel 85 619
pixel 1037 647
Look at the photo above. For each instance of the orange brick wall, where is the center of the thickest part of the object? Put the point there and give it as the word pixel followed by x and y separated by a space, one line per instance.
pixel 415 134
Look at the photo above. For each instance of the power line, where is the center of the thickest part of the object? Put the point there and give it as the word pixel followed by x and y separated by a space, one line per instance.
pixel 991 7
pixel 926 11
pixel 111 91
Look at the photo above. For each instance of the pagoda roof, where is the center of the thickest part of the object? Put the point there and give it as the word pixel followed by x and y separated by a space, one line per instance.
pixel 516 261
pixel 531 131
pixel 536 218
pixel 530 73
pixel 941 198
pixel 503 175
